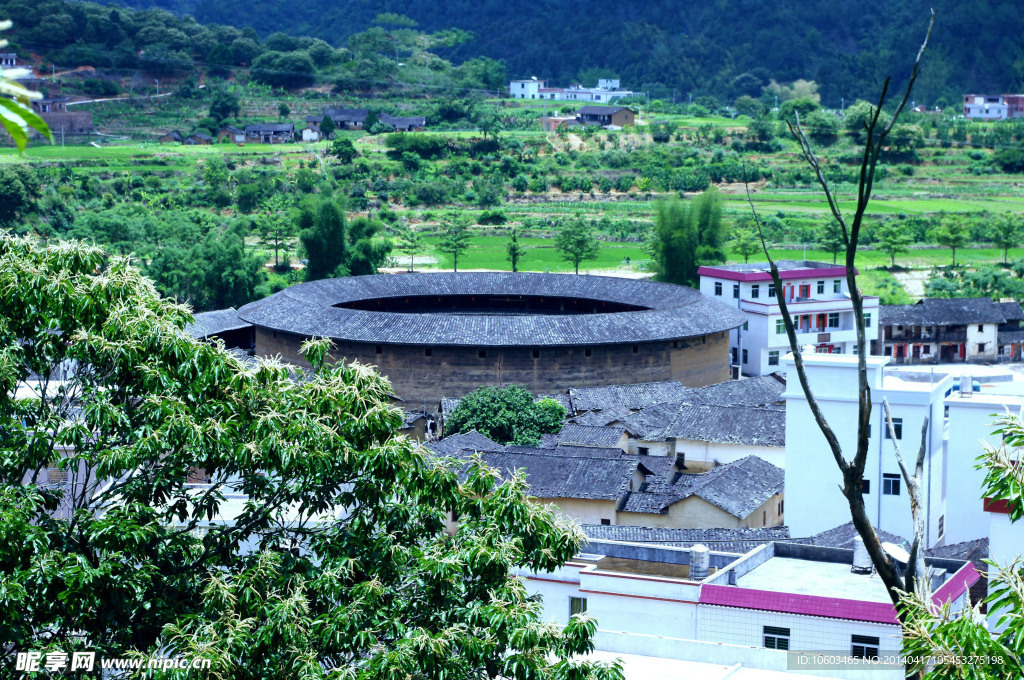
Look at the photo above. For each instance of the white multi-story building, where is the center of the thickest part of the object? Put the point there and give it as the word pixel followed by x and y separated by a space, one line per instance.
pixel 818 299
pixel 958 423
pixel 605 92
pixel 752 610
pixel 993 107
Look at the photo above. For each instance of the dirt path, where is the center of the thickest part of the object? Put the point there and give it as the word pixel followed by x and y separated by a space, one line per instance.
pixel 913 281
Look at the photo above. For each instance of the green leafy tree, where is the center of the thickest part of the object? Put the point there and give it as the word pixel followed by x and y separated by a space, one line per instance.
pixel 688 234
pixel 830 239
pixel 224 105
pixel 327 127
pixel 325 243
pixel 514 250
pixel 745 243
pixel 344 150
pixel 508 415
pixel 894 239
pixel 368 248
pixel 1006 232
pixel 284 69
pixel 283 111
pixel 334 551
pixel 410 243
pixel 576 242
pixel 454 238
pixel 952 233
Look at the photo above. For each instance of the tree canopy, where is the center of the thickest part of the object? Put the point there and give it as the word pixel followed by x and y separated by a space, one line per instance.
pixel 508 415
pixel 687 235
pixel 576 242
pixel 334 557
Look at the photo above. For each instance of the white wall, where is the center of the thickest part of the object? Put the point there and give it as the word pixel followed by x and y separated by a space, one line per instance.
pixel 814 501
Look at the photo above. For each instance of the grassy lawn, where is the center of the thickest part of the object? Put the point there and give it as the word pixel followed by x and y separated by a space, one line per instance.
pixel 922 258
pixel 488 252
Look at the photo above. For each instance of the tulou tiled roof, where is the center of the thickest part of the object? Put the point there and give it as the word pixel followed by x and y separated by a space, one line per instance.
pixel 942 312
pixel 672 312
pixel 553 474
pixel 212 323
pixel 739 540
pixel 630 397
pixel 739 488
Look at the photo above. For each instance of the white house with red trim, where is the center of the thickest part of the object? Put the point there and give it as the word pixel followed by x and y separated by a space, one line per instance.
pixel 816 294
pixel 754 610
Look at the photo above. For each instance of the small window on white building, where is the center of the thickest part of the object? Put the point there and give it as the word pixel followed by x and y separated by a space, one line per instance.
pixel 981 347
pixel 942 525
pixel 771 290
pixel 837 286
pixel 981 328
pixel 780 326
pixel 746 325
pixel 718 287
pixel 897 426
pixel 745 356
pixel 926 349
pixel 773 357
pixel 890 484
pixel 577 605
pixel 643 450
pixel 821 287
pixel 755 291
pixel 776 638
pixel 605 522
pixel 833 320
pixel 865 486
pixel 867 320
pixel 736 290
pixel 864 647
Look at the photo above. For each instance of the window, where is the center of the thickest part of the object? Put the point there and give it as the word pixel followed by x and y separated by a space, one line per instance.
pixel 833 320
pixel 805 290
pixel 745 356
pixel 867 320
pixel 927 349
pixel 780 326
pixel 428 352
pixel 897 427
pixel 821 287
pixel 890 484
pixel 865 486
pixel 771 290
pixel 735 355
pixel 981 328
pixel 643 450
pixel 837 286
pixel 577 605
pixel 776 638
pixel 588 352
pixel 981 347
pixel 746 325
pixel 942 525
pixel 636 349
pixel 864 647
pixel 606 522
pixel 773 357
pixel 782 506
pixel 718 287
pixel 378 350
pixel 755 291
pixel 536 354
pixel 736 290
pixel 482 353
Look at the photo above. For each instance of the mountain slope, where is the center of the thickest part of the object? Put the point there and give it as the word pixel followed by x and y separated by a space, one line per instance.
pixel 725 48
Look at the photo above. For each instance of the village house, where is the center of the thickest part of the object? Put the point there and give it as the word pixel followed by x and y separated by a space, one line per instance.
pixel 172 137
pixel 404 123
pixel 199 138
pixel 606 116
pixel 993 107
pixel 947 331
pixel 816 294
pixel 269 133
pixel 607 90
pixel 230 133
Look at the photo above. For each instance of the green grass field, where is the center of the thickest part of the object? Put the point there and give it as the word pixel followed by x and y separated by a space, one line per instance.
pixel 488 252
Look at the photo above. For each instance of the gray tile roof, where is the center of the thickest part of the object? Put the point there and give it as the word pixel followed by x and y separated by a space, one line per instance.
pixel 757 391
pixel 601 110
pixel 345 115
pixel 631 397
pixel 615 414
pixel 310 309
pixel 569 450
pixel 212 323
pixel 741 540
pixel 1010 337
pixel 588 435
pixel 842 537
pixel 276 128
pixel 403 122
pixel 739 488
pixel 942 312
pixel 746 425
pixel 470 441
pixel 550 474
pixel 1011 311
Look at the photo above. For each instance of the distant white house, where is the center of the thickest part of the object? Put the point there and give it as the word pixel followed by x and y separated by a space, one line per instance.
pixel 607 90
pixel 993 107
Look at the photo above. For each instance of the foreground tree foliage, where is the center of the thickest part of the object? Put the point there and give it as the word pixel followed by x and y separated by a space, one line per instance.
pixel 508 415
pixel 333 561
pixel 688 234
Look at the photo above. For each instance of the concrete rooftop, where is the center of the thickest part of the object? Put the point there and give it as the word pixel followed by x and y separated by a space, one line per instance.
pixel 809 577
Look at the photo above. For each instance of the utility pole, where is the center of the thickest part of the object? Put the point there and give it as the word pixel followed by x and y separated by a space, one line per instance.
pixel 157 81
pixel 426 60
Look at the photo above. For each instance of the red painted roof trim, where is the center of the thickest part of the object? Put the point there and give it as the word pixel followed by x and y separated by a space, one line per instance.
pixel 717 273
pixel 957 584
pixel 792 603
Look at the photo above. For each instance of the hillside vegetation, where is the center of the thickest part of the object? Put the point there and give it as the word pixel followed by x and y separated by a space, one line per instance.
pixel 725 49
